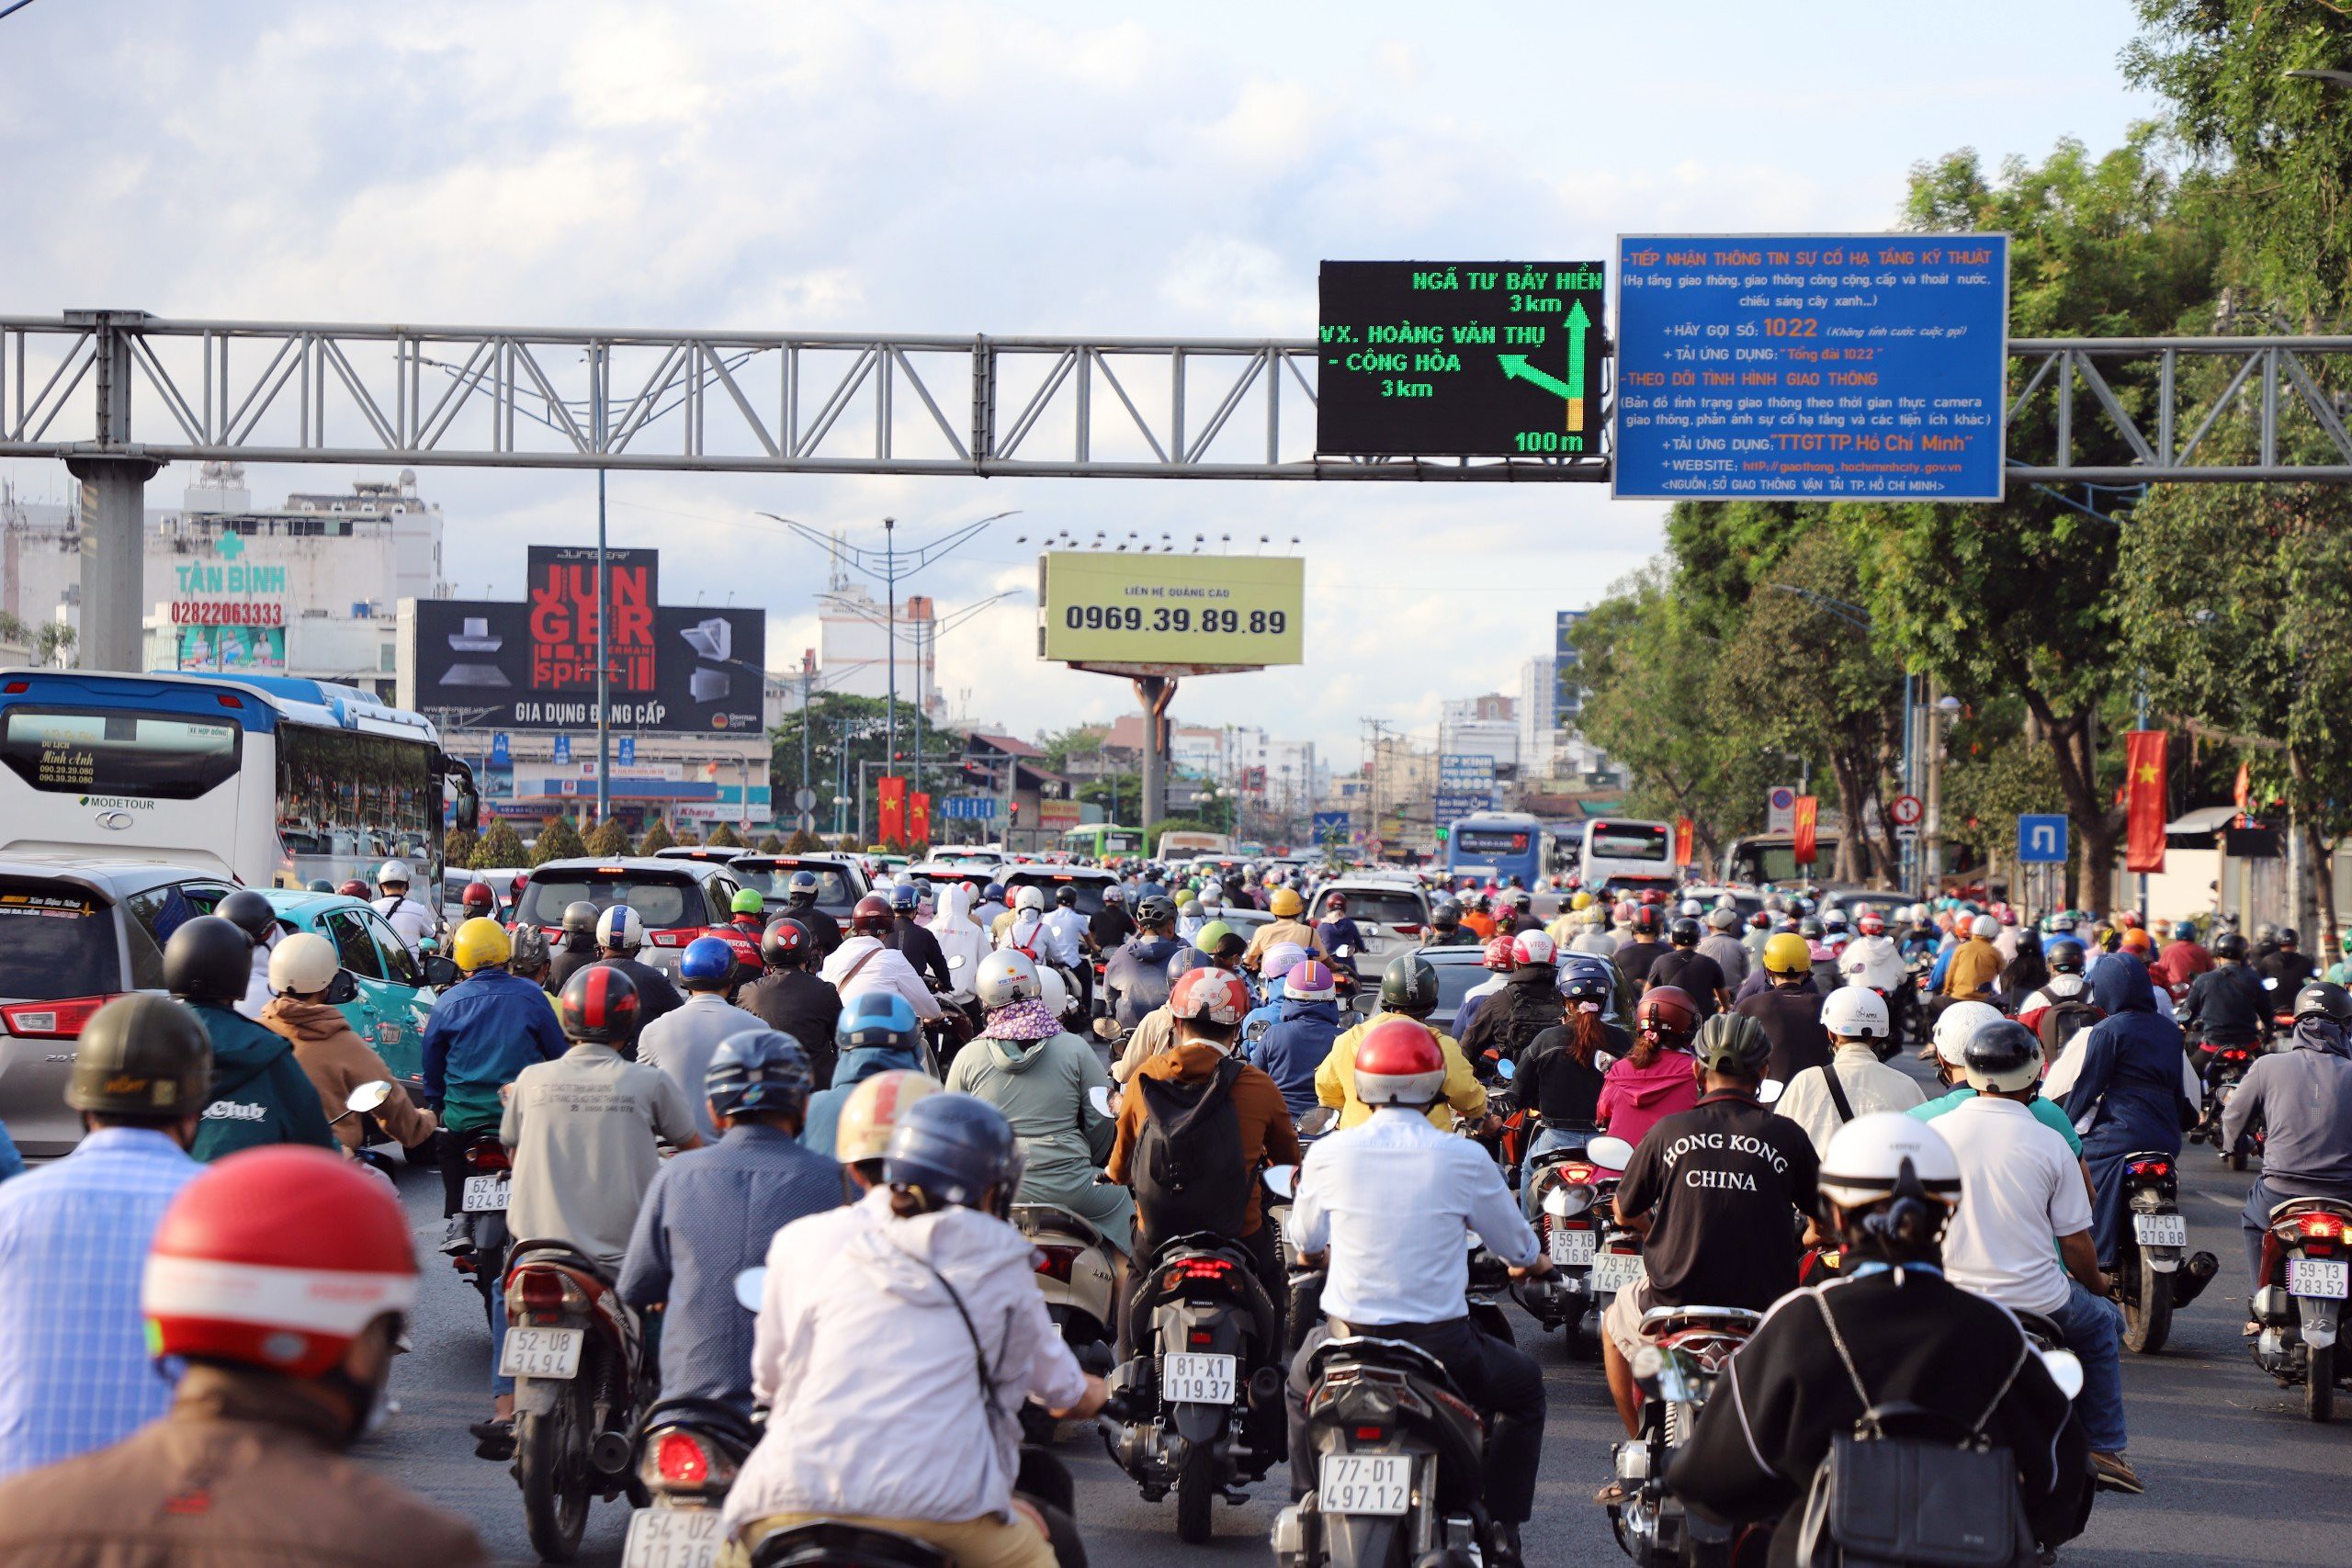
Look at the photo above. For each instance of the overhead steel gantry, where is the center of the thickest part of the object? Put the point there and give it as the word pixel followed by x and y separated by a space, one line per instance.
pixel 2100 410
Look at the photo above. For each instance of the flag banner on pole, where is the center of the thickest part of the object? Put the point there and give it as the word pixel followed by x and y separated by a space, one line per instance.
pixel 1682 831
pixel 890 796
pixel 2144 800
pixel 918 818
pixel 1803 823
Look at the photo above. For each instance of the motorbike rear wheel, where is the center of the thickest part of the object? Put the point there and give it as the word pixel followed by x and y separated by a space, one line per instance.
pixel 1196 1493
pixel 2147 1305
pixel 2319 1388
pixel 550 1464
pixel 2235 1158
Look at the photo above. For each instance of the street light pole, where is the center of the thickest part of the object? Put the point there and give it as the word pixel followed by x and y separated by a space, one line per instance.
pixel 604 656
pixel 889 648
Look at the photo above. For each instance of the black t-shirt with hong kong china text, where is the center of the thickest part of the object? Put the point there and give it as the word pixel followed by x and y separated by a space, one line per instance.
pixel 1723 1183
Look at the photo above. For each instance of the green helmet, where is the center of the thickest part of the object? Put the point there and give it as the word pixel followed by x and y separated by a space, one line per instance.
pixel 749 903
pixel 1734 1044
pixel 1408 985
pixel 1214 935
pixel 141 1054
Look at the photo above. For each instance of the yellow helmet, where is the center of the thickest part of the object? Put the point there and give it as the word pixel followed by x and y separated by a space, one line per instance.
pixel 1788 953
pixel 481 944
pixel 1581 901
pixel 872 1111
pixel 1285 902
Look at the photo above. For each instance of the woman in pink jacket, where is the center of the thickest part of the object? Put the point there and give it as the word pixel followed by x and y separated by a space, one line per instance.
pixel 1657 1079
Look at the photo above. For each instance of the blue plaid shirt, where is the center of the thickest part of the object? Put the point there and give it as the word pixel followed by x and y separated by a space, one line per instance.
pixel 75 1373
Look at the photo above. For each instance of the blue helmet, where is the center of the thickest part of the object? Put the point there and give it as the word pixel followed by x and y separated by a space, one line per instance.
pixel 1184 962
pixel 758 1070
pixel 706 963
pixel 882 1018
pixel 992 894
pixel 905 895
pixel 954 1147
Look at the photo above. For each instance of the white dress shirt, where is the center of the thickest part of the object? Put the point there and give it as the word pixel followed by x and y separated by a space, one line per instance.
pixel 1393 1201
pixel 1063 930
pixel 1870 1084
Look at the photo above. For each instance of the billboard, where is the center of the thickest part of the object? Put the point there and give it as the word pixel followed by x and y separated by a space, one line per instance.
pixel 501 664
pixel 1109 607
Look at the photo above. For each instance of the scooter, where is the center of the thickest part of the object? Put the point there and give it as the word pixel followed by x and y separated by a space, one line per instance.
pixel 573 1350
pixel 488 1170
pixel 1079 1272
pixel 2307 1274
pixel 1573 1204
pixel 1676 1370
pixel 688 1453
pixel 2152 1277
pixel 2221 1077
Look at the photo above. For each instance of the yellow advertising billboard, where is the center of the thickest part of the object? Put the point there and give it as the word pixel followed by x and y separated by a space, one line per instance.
pixel 1106 607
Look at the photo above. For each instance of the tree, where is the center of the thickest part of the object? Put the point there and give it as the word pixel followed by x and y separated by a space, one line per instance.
pixel 657 838
pixel 845 729
pixel 846 844
pixel 2280 146
pixel 772 845
pixel 802 843
pixel 457 849
pixel 1059 746
pixel 722 837
pixel 501 847
pixel 610 841
pixel 2017 598
pixel 558 840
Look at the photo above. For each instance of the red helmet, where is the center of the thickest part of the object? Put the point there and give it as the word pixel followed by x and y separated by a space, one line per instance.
pixel 2126 919
pixel 1646 918
pixel 1872 924
pixel 354 889
pixel 1212 996
pixel 1398 1062
pixel 872 916
pixel 1667 1013
pixel 278 1258
pixel 1501 953
pixel 600 1005
pixel 1653 896
pixel 478 900
pixel 1534 947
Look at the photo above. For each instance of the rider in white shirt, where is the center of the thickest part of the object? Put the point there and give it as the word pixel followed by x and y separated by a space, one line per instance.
pixel 409 921
pixel 1855 1083
pixel 862 964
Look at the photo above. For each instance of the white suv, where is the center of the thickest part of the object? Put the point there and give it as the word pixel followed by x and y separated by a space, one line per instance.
pixel 1393 915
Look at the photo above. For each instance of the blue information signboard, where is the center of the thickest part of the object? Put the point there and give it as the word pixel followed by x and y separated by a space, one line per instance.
pixel 1811 367
pixel 1330 827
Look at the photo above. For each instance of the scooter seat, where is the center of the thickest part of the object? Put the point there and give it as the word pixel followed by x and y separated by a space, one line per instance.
pixel 1030 1219
pixel 832 1543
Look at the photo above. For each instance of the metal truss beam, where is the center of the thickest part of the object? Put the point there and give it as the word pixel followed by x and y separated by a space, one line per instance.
pixel 2103 410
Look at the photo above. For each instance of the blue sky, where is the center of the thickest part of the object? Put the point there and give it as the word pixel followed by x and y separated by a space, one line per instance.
pixel 925 167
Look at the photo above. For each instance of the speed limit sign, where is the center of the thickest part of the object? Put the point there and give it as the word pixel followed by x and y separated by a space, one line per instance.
pixel 1906 811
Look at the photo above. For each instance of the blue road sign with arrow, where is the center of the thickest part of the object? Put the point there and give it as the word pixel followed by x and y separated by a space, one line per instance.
pixel 2042 841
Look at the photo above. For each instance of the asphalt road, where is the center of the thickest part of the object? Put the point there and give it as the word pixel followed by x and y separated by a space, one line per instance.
pixel 2234 1470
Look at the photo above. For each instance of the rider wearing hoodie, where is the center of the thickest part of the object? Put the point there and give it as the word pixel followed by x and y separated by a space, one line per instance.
pixel 2301 1098
pixel 878 1034
pixel 259 1092
pixel 1297 1043
pixel 1041 1078
pixel 1659 1077
pixel 2128 1096
pixel 336 1060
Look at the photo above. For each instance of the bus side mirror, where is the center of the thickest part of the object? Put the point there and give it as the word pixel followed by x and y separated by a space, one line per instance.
pixel 468 812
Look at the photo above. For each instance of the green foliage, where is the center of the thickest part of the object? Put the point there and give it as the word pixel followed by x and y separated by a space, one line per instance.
pixel 858 726
pixel 1081 738
pixel 801 843
pixel 847 844
pixel 657 838
pixel 772 845
pixel 501 846
pixel 610 840
pixel 722 837
pixel 558 840
pixel 457 850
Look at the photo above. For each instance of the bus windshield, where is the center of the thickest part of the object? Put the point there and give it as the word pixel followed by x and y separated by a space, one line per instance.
pixel 1630 840
pixel 346 802
pixel 150 756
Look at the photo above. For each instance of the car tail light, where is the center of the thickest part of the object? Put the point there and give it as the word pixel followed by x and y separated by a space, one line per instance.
pixel 681 1458
pixel 51 1021
pixel 1406 928
pixel 13 687
pixel 2330 1225
pixel 1056 1262
pixel 674 938
pixel 227 700
pixel 2151 1168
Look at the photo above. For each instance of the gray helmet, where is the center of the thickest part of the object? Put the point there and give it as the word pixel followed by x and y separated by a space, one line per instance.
pixel 1156 910
pixel 954 1148
pixel 141 1054
pixel 1184 962
pixel 800 889
pixel 1735 1044
pixel 758 1070
pixel 580 916
pixel 208 960
pixel 530 950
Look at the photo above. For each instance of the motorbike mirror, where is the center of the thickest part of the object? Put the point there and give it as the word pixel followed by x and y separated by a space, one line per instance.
pixel 1099 1099
pixel 1505 1071
pixel 955 961
pixel 750 1286
pixel 368 1095
pixel 2065 1370
pixel 1768 1092
pixel 1282 1180
pixel 1343 951
pixel 1612 1153
pixel 2270 983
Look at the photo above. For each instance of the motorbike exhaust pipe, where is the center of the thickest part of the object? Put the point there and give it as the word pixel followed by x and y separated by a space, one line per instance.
pixel 2194 1276
pixel 1265 1388
pixel 610 1453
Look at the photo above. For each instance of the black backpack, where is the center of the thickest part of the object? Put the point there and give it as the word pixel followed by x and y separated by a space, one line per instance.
pixel 1187 1166
pixel 2060 1019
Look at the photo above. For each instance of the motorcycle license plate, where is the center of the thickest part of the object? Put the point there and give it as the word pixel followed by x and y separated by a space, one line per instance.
pixel 485 1194
pixel 541 1353
pixel 673 1537
pixel 1365 1484
pixel 2160 1230
pixel 2320 1278
pixel 1612 1272
pixel 1572 1248
pixel 1198 1379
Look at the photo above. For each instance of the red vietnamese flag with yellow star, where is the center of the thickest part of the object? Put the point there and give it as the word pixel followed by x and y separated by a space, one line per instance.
pixel 2144 800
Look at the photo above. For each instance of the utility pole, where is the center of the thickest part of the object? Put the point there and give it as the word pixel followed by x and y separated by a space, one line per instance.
pixel 1932 838
pixel 603 657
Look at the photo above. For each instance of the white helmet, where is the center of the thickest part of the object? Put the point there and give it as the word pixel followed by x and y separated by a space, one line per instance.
pixel 1723 917
pixel 394 874
pixel 304 961
pixel 1690 908
pixel 1869 1157
pixel 1985 927
pixel 1007 976
pixel 1959 1022
pixel 1051 991
pixel 1854 1013
pixel 1833 919
pixel 1281 958
pixel 619 930
pixel 1030 897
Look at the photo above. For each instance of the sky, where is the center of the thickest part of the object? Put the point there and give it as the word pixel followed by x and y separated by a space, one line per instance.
pixel 955 166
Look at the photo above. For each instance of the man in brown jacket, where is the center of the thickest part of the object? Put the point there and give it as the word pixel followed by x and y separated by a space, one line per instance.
pixel 336 1060
pixel 249 1468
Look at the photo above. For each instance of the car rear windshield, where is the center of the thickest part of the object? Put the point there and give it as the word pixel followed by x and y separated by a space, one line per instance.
pixel 663 903
pixel 1630 840
pixel 1453 983
pixel 56 940
pixel 1399 908
pixel 771 879
pixel 1090 891
pixel 152 756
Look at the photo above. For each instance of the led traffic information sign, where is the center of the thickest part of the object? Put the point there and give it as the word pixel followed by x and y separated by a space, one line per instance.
pixel 1468 359
pixel 1811 367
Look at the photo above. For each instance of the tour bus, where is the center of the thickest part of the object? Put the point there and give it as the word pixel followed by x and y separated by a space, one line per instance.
pixel 1496 846
pixel 276 780
pixel 1759 858
pixel 1103 840
pixel 1619 853
pixel 1184 844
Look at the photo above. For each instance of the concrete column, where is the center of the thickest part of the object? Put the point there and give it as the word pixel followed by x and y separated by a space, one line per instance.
pixel 114 551
pixel 1156 692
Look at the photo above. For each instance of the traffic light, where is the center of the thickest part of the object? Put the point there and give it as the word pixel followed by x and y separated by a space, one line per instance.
pixel 1441 834
pixel 1015 808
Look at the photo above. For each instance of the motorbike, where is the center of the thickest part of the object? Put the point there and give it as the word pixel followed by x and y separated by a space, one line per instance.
pixel 1573 1206
pixel 1208 1372
pixel 688 1453
pixel 2306 1259
pixel 489 1168
pixel 2150 1279
pixel 574 1353
pixel 1676 1370
pixel 2222 1076
pixel 1078 1271
pixel 1398 1463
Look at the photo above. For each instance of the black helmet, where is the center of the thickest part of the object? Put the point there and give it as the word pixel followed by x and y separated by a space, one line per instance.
pixel 1408 985
pixel 758 1070
pixel 1734 1044
pixel 1683 933
pixel 954 1148
pixel 1446 915
pixel 2002 1056
pixel 1810 929
pixel 580 916
pixel 141 1054
pixel 2065 955
pixel 2230 945
pixel 2287 937
pixel 249 912
pixel 2323 999
pixel 1065 896
pixel 787 940
pixel 600 1005
pixel 208 960
pixel 1156 910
